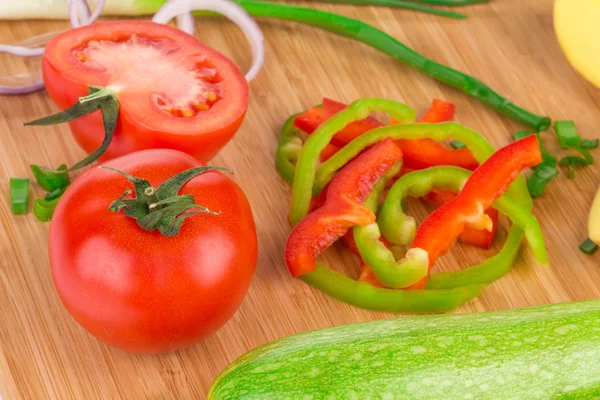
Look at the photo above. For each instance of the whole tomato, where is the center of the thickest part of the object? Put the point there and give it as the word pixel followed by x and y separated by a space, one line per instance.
pixel 141 291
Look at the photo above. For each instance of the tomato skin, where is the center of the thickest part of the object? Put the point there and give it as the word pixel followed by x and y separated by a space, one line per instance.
pixel 142 125
pixel 140 291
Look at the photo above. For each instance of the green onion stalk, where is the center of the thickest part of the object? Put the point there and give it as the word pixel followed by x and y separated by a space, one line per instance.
pixel 57 9
pixel 327 21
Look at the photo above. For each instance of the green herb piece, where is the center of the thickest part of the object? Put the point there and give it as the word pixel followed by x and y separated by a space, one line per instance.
pixel 56 193
pixel 588 144
pixel 573 161
pixel 44 210
pixel 568 138
pixel 588 247
pixel 49 180
pixel 537 182
pixel 19 195
pixel 455 144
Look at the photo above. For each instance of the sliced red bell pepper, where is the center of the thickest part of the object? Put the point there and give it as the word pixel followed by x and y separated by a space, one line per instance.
pixel 425 153
pixel 343 207
pixel 368 276
pixel 328 152
pixel 473 237
pixel 489 181
pixel 312 118
pixel 418 154
pixel 440 111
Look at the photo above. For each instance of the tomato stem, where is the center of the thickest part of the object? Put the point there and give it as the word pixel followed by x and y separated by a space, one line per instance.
pixel 98 98
pixel 161 208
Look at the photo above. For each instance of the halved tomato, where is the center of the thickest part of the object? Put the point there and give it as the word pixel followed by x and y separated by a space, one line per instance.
pixel 173 91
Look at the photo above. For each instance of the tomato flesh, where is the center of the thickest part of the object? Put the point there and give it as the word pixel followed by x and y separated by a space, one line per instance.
pixel 140 291
pixel 173 91
pixel 182 88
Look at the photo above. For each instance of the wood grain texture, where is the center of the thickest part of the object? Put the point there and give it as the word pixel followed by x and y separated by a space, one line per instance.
pixel 508 44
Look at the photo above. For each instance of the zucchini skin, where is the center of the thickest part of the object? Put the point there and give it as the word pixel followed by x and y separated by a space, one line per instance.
pixel 547 352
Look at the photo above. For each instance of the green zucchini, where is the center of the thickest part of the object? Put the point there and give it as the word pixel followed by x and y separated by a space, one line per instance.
pixel 548 352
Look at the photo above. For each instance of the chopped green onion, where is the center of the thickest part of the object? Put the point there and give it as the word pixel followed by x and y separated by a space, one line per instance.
pixel 548 158
pixel 573 161
pixel 567 134
pixel 49 180
pixel 588 247
pixel 56 193
pixel 44 210
pixel 455 144
pixel 537 182
pixel 590 144
pixel 521 135
pixel 19 195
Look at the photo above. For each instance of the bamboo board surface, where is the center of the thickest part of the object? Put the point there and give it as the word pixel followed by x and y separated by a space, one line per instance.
pixel 508 44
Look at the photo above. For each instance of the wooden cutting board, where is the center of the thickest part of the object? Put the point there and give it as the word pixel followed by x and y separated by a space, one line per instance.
pixel 508 44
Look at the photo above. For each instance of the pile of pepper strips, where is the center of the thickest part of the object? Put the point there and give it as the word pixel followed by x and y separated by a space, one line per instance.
pixel 351 176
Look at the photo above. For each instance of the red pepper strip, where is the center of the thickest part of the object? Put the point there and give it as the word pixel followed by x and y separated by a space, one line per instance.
pixel 328 152
pixel 425 153
pixel 319 201
pixel 368 276
pixel 439 231
pixel 343 208
pixel 473 237
pixel 312 118
pixel 440 111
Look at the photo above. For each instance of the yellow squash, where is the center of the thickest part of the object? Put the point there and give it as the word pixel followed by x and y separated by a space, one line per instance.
pixel 577 24
pixel 594 220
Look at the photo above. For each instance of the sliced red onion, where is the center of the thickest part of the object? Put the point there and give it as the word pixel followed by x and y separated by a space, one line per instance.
pixel 24 89
pixel 76 9
pixel 186 23
pixel 21 51
pixel 97 11
pixel 228 9
pixel 80 13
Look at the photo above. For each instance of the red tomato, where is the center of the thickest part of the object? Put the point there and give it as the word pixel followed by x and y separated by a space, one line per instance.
pixel 173 91
pixel 141 291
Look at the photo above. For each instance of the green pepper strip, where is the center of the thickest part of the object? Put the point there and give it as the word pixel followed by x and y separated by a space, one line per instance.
pixel 401 228
pixel 487 272
pixel 288 150
pixel 380 40
pixel 394 275
pixel 306 166
pixel 364 295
